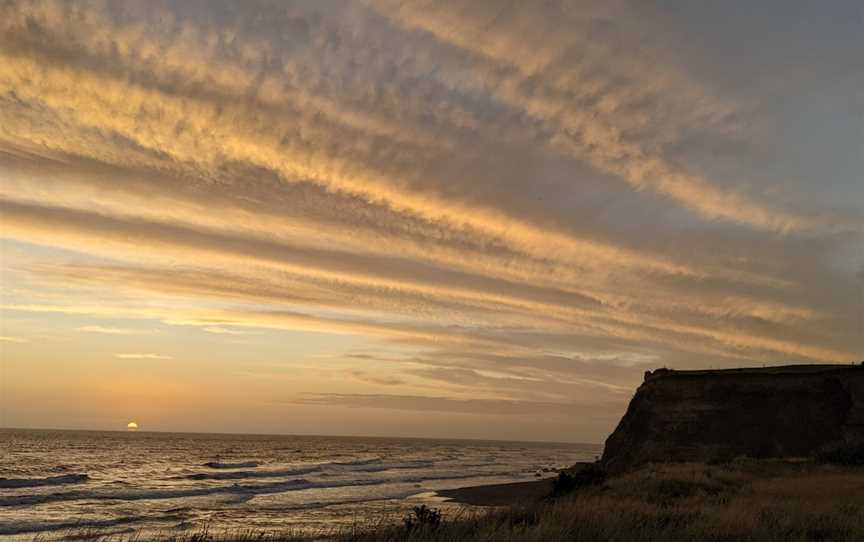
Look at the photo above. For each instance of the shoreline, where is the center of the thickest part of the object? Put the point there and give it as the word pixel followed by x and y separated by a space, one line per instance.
pixel 517 493
pixel 507 494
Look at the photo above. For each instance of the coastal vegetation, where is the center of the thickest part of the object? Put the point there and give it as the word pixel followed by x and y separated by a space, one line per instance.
pixel 744 500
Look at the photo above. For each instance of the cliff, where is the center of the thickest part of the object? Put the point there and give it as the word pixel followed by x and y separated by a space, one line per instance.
pixel 704 416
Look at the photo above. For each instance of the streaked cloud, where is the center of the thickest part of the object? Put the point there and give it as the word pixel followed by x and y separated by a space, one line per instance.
pixel 402 196
pixel 142 356
pixel 217 330
pixel 442 404
pixel 113 330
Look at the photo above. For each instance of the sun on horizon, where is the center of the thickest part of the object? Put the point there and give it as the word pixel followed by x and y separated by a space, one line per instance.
pixel 132 426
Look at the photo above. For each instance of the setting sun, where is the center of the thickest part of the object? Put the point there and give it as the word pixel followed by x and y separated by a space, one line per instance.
pixel 131 426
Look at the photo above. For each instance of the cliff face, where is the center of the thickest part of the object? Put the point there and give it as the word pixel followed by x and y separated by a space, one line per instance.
pixel 794 411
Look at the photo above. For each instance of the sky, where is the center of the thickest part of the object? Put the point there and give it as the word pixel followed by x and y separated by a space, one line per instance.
pixel 433 218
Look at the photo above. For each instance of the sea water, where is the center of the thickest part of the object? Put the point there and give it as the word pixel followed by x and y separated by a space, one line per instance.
pixel 52 482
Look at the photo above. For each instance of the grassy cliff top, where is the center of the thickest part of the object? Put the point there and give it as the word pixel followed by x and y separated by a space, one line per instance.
pixel 771 370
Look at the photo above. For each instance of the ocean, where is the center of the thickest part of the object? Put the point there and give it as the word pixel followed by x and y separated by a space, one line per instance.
pixel 165 483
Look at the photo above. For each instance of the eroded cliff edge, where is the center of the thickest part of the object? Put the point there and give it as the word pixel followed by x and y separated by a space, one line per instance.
pixel 705 416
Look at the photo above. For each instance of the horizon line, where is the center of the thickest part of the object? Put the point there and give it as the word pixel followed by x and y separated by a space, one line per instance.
pixel 223 433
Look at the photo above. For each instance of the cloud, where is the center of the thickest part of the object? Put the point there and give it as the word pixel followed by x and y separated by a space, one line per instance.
pixel 372 378
pixel 114 330
pixel 216 330
pixel 524 224
pixel 142 356
pixel 502 407
pixel 16 340
pixel 563 93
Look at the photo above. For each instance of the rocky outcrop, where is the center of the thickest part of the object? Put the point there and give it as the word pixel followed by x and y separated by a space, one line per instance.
pixel 705 416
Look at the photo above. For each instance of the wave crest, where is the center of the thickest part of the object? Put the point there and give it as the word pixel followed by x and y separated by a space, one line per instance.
pixel 240 465
pixel 16 483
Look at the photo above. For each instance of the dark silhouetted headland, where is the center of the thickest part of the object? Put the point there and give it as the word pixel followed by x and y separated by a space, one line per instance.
pixel 714 416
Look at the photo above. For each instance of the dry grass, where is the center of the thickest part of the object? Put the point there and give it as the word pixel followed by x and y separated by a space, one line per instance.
pixel 745 501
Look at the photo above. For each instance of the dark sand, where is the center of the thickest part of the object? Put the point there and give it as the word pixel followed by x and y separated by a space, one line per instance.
pixel 500 494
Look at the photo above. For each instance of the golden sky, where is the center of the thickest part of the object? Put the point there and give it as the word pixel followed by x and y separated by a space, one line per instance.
pixel 465 218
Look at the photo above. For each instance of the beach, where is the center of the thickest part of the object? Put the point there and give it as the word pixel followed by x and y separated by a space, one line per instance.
pixel 511 494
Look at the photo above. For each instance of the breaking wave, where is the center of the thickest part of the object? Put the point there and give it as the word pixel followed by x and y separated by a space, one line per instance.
pixel 17 483
pixel 38 527
pixel 235 489
pixel 242 474
pixel 241 465
pixel 250 490
pixel 366 466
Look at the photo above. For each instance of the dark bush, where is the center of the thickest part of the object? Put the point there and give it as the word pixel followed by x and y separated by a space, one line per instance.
pixel 676 489
pixel 523 517
pixel 567 482
pixel 721 458
pixel 422 517
pixel 846 454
